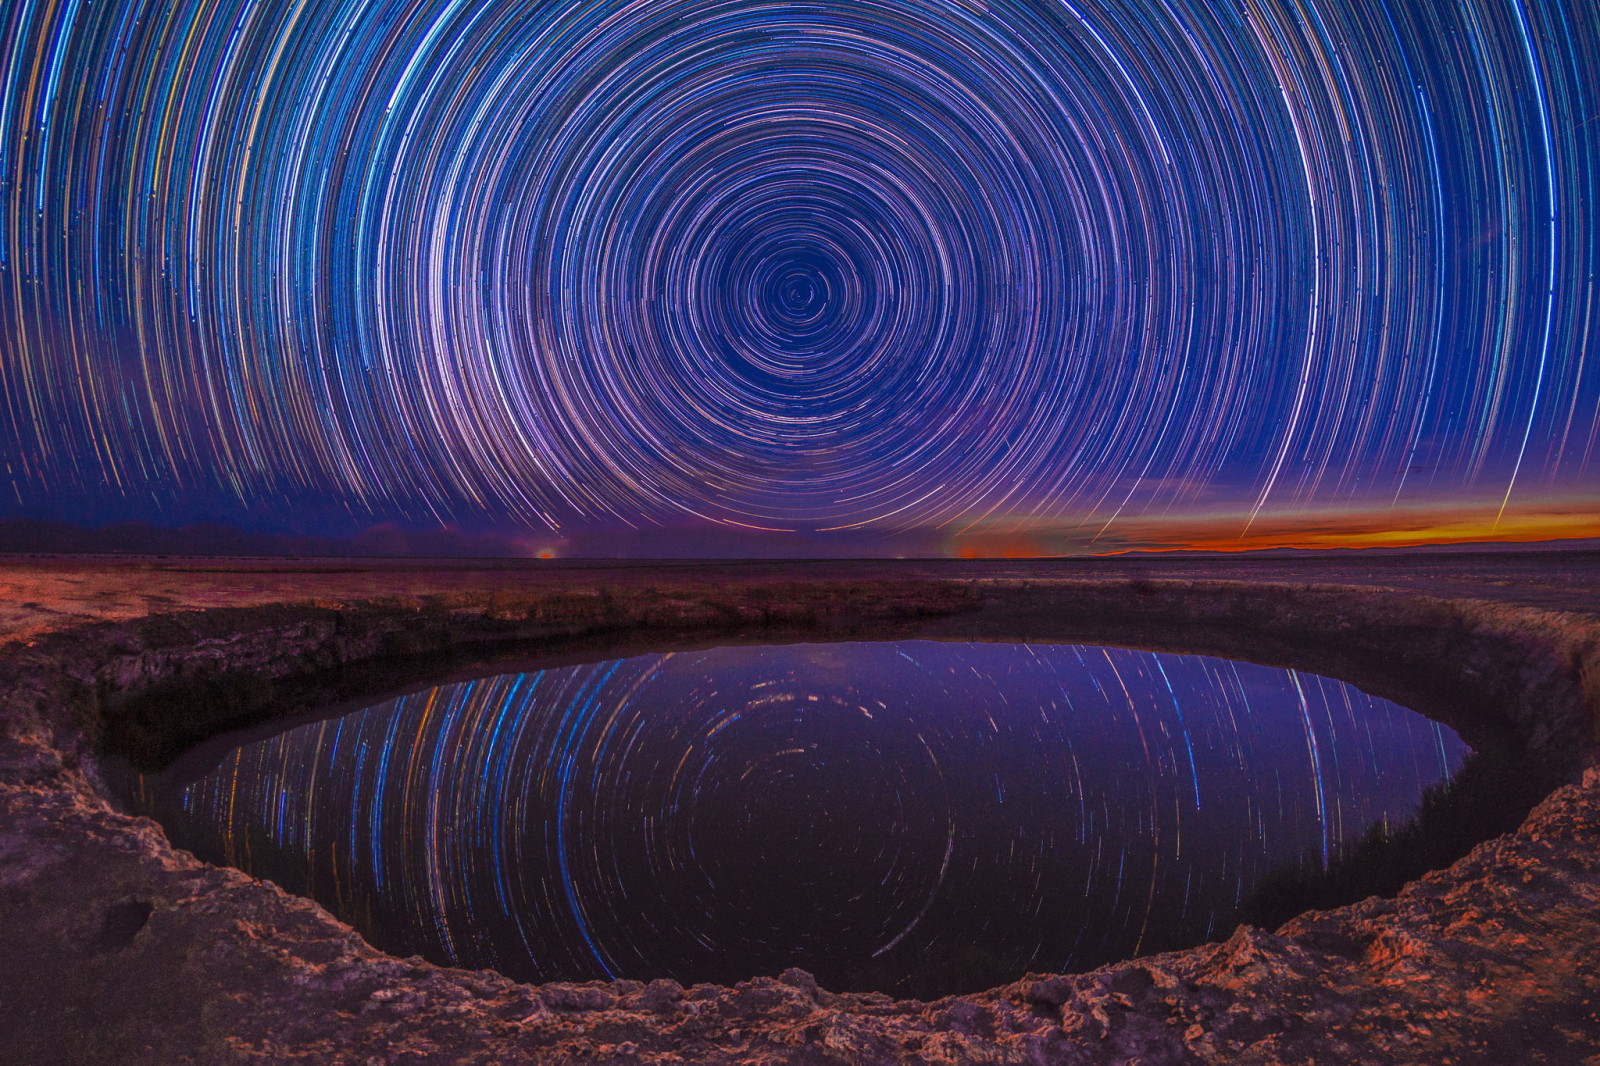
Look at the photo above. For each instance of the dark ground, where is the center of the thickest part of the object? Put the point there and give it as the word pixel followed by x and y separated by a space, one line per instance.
pixel 115 948
pixel 46 592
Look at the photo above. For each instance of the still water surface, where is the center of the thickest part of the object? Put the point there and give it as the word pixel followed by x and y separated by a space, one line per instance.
pixel 915 816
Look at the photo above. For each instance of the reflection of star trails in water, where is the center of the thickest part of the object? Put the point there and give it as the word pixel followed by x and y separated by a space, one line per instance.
pixel 944 867
pixel 1316 763
pixel 856 809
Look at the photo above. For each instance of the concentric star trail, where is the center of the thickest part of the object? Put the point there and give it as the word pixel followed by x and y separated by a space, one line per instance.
pixel 880 264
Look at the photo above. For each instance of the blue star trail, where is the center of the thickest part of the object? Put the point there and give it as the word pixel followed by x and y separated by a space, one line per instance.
pixel 867 265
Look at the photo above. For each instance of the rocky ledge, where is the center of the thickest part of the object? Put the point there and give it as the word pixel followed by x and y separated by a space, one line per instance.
pixel 117 948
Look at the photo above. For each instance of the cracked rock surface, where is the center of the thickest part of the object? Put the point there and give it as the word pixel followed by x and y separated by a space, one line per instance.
pixel 117 948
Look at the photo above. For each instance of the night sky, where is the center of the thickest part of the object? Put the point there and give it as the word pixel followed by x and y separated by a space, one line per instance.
pixel 953 814
pixel 1010 277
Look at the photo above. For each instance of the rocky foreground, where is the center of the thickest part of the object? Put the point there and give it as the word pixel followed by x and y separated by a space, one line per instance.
pixel 116 948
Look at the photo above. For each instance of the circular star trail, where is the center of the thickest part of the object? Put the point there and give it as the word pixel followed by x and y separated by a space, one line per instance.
pixel 920 816
pixel 877 263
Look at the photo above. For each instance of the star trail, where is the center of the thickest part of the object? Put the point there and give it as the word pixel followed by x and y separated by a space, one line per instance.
pixel 867 265
pixel 870 812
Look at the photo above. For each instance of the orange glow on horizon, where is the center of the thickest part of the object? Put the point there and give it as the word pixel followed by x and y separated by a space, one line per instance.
pixel 1310 530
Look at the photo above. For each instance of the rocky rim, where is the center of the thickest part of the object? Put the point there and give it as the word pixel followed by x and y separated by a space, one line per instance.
pixel 117 948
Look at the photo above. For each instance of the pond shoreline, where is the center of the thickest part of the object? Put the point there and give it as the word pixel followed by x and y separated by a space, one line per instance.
pixel 122 949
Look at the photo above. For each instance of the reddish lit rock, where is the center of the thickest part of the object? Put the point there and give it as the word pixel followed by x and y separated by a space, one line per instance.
pixel 119 949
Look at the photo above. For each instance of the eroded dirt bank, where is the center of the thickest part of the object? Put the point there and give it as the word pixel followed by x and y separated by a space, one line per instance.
pixel 118 949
